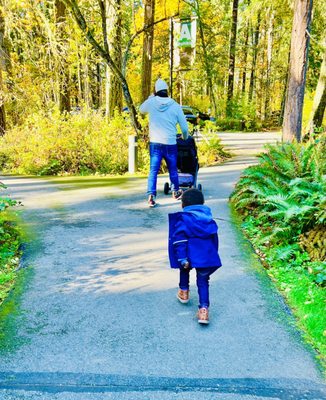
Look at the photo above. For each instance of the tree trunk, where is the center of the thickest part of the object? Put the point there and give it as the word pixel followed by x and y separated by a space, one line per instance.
pixel 98 85
pixel 63 69
pixel 207 63
pixel 318 108
pixel 233 39
pixel 319 114
pixel 146 81
pixel 2 108
pixel 298 68
pixel 269 65
pixel 86 81
pixel 114 38
pixel 2 68
pixel 254 59
pixel 244 72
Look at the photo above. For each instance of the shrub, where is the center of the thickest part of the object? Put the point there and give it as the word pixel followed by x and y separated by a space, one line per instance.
pixel 210 149
pixel 9 245
pixel 241 116
pixel 283 206
pixel 75 144
pixel 84 143
pixel 284 195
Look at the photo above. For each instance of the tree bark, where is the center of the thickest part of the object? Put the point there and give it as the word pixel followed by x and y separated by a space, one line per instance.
pixel 292 124
pixel 113 29
pixel 319 114
pixel 63 69
pixel 318 108
pixel 233 39
pixel 146 81
pixel 2 68
pixel 254 59
pixel 269 65
pixel 244 72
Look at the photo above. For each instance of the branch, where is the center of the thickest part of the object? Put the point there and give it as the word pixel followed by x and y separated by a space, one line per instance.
pixel 133 37
pixel 322 45
pixel 90 37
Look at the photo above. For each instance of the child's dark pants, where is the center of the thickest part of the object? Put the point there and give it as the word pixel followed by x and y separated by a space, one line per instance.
pixel 203 275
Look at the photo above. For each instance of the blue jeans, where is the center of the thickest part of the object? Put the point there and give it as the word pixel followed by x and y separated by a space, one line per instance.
pixel 203 275
pixel 157 152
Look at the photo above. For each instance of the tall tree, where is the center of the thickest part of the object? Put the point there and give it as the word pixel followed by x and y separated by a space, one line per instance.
pixel 114 38
pixel 269 64
pixel 146 81
pixel 255 41
pixel 319 104
pixel 292 123
pixel 63 70
pixel 233 39
pixel 244 71
pixel 2 68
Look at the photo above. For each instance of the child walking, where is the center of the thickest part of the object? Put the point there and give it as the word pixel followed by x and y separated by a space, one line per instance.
pixel 193 243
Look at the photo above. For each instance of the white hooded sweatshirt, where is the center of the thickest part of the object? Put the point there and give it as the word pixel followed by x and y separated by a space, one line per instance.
pixel 164 115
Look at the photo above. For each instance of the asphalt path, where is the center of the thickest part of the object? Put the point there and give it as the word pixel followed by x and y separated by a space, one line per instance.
pixel 96 314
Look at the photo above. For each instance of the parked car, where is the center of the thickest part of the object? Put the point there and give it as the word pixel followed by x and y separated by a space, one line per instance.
pixel 194 116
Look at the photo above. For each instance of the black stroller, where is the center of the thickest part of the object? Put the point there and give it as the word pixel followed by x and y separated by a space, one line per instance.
pixel 187 165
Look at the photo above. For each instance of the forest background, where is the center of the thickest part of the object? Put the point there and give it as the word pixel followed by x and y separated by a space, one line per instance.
pixel 239 74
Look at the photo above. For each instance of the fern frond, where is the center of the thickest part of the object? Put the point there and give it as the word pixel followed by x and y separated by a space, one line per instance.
pixel 279 201
pixel 278 233
pixel 296 211
pixel 286 252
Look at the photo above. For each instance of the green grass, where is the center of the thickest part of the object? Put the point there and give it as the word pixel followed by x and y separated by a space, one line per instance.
pixel 307 301
pixel 9 254
pixel 88 182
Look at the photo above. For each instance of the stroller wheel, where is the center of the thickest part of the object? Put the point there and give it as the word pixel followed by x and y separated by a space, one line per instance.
pixel 166 188
pixel 199 187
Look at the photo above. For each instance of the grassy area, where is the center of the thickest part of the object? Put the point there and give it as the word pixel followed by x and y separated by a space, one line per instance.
pixel 89 182
pixel 9 254
pixel 9 245
pixel 307 300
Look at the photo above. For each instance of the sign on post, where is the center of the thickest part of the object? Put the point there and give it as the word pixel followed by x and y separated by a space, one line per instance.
pixel 187 37
pixel 184 32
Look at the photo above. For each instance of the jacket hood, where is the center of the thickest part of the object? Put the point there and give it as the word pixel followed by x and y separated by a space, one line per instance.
pixel 162 103
pixel 200 220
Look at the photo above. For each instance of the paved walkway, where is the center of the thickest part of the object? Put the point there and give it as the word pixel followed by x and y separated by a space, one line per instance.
pixel 98 317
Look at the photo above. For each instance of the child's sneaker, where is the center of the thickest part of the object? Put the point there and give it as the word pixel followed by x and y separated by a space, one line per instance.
pixel 183 296
pixel 177 194
pixel 202 316
pixel 151 201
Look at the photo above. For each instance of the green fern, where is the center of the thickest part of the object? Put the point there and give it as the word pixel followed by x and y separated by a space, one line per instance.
pixel 286 252
pixel 279 233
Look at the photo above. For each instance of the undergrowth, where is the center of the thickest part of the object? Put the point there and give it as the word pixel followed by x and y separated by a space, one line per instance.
pixel 83 144
pixel 282 204
pixel 9 245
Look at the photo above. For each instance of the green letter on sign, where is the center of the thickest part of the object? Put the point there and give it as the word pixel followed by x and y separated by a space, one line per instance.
pixel 185 35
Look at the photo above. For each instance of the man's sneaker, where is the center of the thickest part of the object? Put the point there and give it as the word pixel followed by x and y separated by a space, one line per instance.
pixel 177 194
pixel 202 316
pixel 183 296
pixel 151 201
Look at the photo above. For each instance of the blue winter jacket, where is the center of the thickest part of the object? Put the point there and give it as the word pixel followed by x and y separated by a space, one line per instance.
pixel 193 236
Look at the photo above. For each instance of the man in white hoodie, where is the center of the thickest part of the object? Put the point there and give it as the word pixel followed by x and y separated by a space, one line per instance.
pixel 164 115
